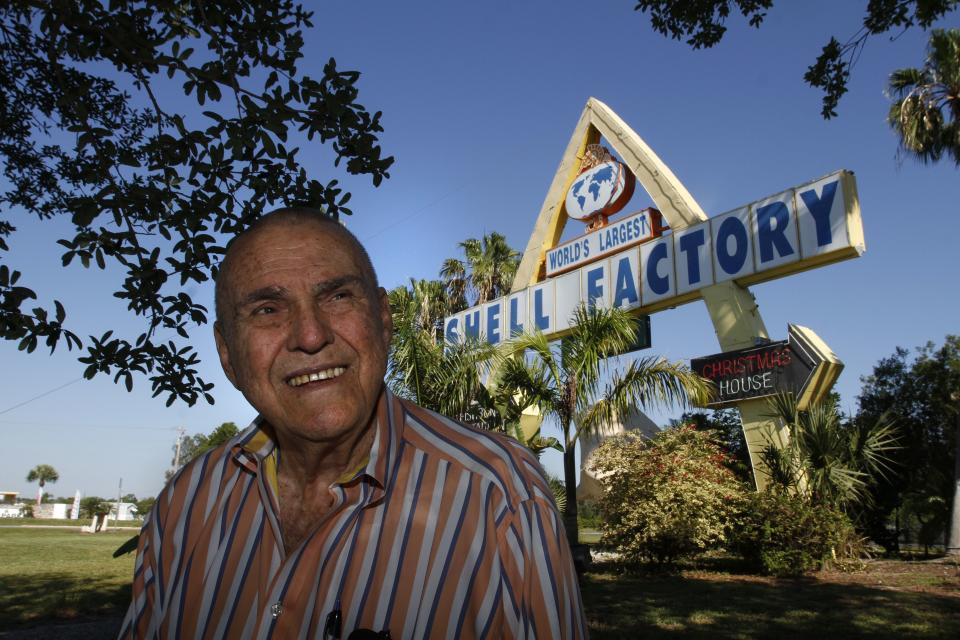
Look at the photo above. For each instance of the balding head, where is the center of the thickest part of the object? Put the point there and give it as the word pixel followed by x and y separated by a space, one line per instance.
pixel 293 217
pixel 304 330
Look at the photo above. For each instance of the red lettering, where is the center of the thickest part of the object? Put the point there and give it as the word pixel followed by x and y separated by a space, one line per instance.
pixel 763 360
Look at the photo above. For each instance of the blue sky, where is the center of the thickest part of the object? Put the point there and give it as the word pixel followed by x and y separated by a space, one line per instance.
pixel 479 101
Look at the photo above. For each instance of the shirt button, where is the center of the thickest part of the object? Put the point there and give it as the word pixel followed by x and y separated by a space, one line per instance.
pixel 276 609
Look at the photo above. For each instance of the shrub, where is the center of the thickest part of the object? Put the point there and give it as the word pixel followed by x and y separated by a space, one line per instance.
pixel 588 514
pixel 783 534
pixel 665 498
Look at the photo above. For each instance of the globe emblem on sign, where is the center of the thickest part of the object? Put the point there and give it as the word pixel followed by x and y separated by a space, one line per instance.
pixel 600 190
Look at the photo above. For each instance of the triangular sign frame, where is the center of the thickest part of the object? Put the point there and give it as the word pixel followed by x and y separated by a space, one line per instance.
pixel 673 200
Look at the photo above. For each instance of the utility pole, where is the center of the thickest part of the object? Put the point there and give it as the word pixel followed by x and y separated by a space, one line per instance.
pixel 119 493
pixel 953 537
pixel 176 459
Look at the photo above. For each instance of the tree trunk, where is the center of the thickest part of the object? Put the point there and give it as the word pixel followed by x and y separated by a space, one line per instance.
pixel 570 489
pixel 953 537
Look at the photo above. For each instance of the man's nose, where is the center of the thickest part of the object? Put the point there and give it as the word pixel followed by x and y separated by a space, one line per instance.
pixel 310 330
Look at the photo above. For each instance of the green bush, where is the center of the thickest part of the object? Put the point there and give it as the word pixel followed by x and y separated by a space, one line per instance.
pixel 588 515
pixel 784 535
pixel 665 498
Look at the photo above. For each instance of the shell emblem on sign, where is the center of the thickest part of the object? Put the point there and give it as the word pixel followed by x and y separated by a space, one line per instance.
pixel 601 190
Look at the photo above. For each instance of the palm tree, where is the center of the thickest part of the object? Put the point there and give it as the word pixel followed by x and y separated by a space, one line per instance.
pixel 42 473
pixel 574 384
pixel 454 274
pixel 926 112
pixel 487 272
pixel 447 378
pixel 828 461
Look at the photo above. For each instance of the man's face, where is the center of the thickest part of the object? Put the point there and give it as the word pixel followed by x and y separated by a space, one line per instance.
pixel 304 334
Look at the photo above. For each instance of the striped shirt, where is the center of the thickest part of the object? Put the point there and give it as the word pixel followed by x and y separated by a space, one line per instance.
pixel 446 532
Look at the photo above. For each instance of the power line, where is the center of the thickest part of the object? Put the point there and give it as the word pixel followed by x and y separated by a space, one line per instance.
pixel 45 393
pixel 415 213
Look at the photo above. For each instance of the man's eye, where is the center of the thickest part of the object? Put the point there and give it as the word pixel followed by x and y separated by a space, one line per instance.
pixel 262 311
pixel 341 295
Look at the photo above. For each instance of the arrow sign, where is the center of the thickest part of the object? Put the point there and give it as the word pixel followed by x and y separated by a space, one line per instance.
pixel 802 364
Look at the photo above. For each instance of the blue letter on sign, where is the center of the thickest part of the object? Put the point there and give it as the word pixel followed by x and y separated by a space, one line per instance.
pixel 540 321
pixel 471 325
pixel 516 328
pixel 451 332
pixel 594 286
pixel 658 284
pixel 820 210
pixel 768 216
pixel 731 263
pixel 493 324
pixel 690 244
pixel 625 291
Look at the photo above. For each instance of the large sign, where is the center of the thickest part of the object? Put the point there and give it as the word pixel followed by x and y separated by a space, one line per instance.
pixel 795 365
pixel 814 224
pixel 617 236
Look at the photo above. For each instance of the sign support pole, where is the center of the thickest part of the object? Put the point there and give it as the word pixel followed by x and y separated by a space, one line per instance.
pixel 737 322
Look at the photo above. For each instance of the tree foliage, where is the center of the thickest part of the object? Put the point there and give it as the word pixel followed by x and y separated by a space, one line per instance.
pixel 702 23
pixel 826 460
pixel 199 443
pixel 915 389
pixel 42 474
pixel 144 506
pixel 90 133
pixel 447 378
pixel 926 107
pixel 784 534
pixel 725 427
pixel 486 273
pixel 666 498
pixel 575 385
pixel 94 505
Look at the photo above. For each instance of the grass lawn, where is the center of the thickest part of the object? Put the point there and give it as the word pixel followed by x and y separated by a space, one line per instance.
pixel 57 522
pixel 54 574
pixel 888 599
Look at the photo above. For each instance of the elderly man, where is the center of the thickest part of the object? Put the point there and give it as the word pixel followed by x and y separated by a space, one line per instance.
pixel 343 508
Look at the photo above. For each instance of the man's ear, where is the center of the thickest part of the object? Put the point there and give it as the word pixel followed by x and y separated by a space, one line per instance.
pixel 224 352
pixel 385 316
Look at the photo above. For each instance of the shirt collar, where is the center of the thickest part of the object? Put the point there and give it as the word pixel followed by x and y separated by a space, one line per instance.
pixel 256 446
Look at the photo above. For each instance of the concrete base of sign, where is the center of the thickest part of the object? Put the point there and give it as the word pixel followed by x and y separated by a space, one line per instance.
pixel 635 421
pixel 97 525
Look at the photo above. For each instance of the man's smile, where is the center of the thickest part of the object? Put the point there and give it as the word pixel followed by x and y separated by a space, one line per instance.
pixel 316 376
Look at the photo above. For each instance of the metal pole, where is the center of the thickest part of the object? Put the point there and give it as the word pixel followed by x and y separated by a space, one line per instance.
pixel 176 459
pixel 119 493
pixel 953 539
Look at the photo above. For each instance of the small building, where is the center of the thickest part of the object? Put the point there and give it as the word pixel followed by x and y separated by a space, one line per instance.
pixel 128 511
pixel 52 511
pixel 10 505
